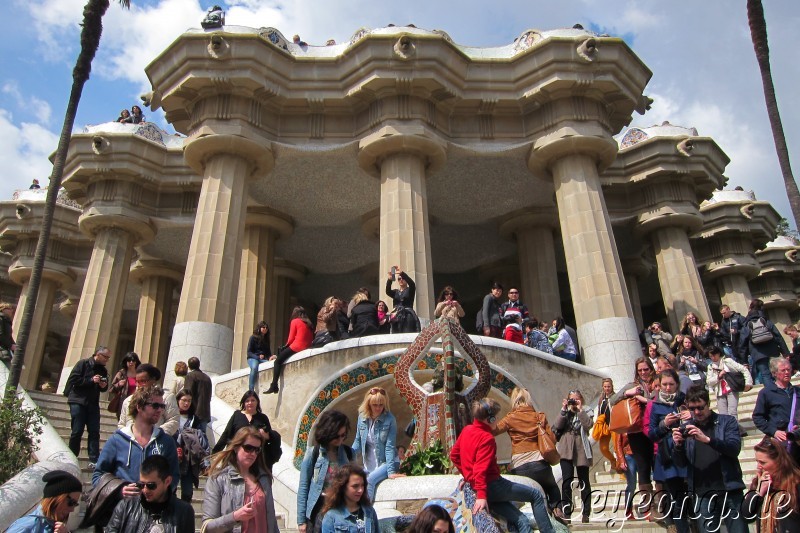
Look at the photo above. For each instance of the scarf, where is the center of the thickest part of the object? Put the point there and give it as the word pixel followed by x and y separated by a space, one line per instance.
pixel 381 316
pixel 667 398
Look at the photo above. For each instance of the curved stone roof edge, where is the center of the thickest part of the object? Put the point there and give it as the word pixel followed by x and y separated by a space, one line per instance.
pixel 527 39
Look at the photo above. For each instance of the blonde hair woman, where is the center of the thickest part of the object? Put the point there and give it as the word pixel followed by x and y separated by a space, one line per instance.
pixel 522 425
pixel 376 433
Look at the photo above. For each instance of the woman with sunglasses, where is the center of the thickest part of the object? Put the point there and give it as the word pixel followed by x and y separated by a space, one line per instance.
pixel 61 496
pixel 376 431
pixel 321 460
pixel 347 507
pixel 572 427
pixel 238 493
pixel 642 389
pixel 250 414
pixel 448 306
pixel 124 382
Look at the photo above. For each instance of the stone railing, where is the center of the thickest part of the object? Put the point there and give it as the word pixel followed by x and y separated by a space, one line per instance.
pixel 40 195
pixel 22 492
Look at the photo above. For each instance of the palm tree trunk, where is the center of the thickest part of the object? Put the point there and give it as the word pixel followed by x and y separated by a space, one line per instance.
pixel 90 40
pixel 758 32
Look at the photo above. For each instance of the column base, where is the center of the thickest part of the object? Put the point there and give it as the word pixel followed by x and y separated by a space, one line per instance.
pixel 211 343
pixel 611 345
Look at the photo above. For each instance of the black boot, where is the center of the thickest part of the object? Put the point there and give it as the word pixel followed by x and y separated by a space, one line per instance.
pixel 273 389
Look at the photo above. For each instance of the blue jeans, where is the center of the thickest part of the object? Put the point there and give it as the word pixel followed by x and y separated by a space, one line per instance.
pixel 630 478
pixel 711 509
pixel 253 381
pixel 568 356
pixel 376 476
pixel 501 492
pixel 85 416
pixel 761 373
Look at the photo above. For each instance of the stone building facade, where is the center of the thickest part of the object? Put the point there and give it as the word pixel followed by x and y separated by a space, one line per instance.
pixel 300 172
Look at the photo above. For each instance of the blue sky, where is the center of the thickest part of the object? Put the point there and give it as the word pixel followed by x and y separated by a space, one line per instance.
pixel 704 69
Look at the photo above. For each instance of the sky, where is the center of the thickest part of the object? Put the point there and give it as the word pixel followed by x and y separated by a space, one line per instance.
pixel 705 73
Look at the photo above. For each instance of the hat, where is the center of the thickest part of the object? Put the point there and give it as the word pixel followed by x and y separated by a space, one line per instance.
pixel 59 482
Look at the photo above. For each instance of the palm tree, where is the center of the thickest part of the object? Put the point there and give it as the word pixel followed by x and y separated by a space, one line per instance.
pixel 92 29
pixel 758 32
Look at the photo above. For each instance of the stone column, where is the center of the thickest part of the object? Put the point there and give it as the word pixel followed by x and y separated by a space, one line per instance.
pixel 734 292
pixel 206 312
pixel 606 328
pixel 100 309
pixel 636 267
pixel 158 280
pixel 678 276
pixel 537 261
pixel 55 277
pixel 403 156
pixel 284 274
pixel 256 283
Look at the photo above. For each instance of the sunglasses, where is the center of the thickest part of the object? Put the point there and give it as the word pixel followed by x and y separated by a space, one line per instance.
pixel 157 405
pixel 71 502
pixel 150 485
pixel 377 390
pixel 513 292
pixel 249 448
pixel 696 408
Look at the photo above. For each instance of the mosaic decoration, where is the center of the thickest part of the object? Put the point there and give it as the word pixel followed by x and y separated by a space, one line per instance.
pixel 632 136
pixel 452 405
pixel 358 35
pixel 275 37
pixel 526 40
pixel 151 132
pixel 377 369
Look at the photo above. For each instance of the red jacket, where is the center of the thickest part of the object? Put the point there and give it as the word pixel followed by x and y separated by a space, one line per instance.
pixel 300 335
pixel 475 456
pixel 513 334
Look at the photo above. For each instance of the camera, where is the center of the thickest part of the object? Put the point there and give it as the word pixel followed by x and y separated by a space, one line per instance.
pixel 394 273
pixel 682 427
pixel 104 379
pixel 572 401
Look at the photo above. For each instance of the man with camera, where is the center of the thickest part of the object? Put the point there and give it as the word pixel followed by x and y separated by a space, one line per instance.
pixel 660 337
pixel 708 445
pixel 85 382
pixel 773 412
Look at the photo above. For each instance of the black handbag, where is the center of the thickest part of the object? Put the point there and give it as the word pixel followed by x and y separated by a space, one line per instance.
pixel 735 380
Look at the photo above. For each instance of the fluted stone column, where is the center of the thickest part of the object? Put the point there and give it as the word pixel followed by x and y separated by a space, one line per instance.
pixel 206 312
pixel 403 157
pixel 257 284
pixel 678 276
pixel 606 328
pixel 734 292
pixel 537 261
pixel 100 309
pixel 158 280
pixel 284 274
pixel 55 277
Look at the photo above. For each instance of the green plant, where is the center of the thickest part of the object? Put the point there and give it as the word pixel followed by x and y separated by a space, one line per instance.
pixel 431 460
pixel 19 429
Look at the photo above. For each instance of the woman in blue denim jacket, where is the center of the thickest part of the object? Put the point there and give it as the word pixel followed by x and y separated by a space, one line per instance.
pixel 376 433
pixel 319 465
pixel 347 507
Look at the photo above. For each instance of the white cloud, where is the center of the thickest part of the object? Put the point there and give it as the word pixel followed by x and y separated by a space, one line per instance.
pixel 24 150
pixel 33 105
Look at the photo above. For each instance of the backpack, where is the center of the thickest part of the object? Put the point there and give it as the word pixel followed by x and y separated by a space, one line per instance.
pixel 760 331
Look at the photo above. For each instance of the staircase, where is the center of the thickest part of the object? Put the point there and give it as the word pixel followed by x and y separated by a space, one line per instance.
pixel 607 483
pixel 57 413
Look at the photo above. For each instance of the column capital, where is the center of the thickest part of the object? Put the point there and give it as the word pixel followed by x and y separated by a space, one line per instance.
pixel 265 217
pixel 406 139
pixel 529 218
pixel 288 269
pixel 20 272
pixel 147 268
pixel 199 149
pixel 589 139
pixel 95 219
